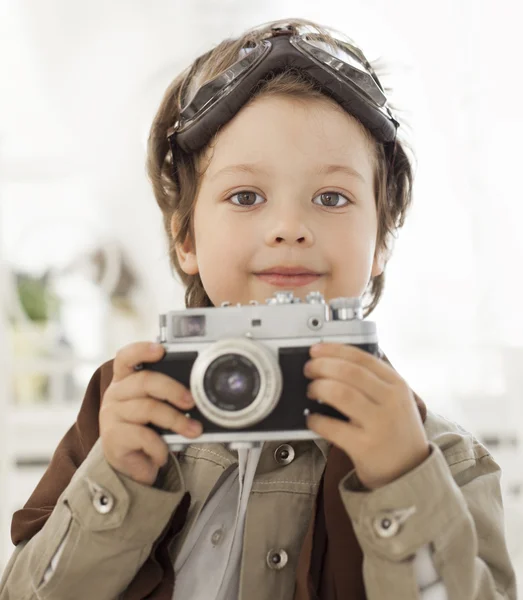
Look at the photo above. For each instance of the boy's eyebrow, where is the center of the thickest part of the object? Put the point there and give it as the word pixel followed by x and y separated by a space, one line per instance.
pixel 252 168
pixel 346 169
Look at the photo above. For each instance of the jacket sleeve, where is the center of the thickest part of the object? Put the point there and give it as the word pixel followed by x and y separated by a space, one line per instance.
pixel 98 525
pixel 451 504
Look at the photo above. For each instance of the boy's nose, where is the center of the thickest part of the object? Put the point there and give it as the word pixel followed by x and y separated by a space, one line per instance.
pixel 289 232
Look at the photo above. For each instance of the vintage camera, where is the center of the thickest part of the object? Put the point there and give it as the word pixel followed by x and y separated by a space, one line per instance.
pixel 244 364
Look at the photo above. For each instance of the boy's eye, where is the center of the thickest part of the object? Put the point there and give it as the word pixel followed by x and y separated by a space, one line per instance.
pixel 331 199
pixel 245 198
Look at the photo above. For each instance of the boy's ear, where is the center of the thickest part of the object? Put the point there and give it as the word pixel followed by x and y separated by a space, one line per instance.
pixel 185 251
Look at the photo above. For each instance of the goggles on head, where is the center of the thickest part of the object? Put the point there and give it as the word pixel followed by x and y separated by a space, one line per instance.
pixel 340 70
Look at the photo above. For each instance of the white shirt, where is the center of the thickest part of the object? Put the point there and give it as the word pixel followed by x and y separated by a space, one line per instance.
pixel 214 545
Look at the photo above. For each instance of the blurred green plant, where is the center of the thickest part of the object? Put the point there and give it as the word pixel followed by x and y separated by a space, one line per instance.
pixel 36 299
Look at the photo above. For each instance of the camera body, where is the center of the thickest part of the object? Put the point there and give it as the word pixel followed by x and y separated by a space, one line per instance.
pixel 244 364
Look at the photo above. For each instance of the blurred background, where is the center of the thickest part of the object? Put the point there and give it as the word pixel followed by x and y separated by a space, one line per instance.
pixel 84 267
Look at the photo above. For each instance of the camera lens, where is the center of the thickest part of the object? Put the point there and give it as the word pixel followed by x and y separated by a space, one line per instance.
pixel 231 382
pixel 236 382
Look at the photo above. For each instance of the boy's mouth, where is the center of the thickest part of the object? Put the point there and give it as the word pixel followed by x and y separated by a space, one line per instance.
pixel 287 276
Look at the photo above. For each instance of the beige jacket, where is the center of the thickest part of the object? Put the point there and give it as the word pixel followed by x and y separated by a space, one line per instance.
pixel 109 523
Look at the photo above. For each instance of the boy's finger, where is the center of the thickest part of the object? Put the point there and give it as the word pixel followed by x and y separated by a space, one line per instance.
pixel 143 411
pixel 347 372
pixel 155 385
pixel 132 355
pixel 358 356
pixel 135 437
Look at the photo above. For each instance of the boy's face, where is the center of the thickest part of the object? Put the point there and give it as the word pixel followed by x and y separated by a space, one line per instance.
pixel 288 183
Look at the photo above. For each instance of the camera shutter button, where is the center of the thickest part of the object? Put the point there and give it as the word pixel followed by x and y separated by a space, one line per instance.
pixel 284 454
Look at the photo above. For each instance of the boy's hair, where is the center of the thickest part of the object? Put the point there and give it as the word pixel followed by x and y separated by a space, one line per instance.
pixel 176 197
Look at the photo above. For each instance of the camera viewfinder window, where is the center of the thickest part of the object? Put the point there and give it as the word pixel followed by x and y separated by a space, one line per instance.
pixel 189 326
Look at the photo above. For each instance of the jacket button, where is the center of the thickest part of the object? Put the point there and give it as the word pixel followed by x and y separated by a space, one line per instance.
pixel 284 454
pixel 277 559
pixel 102 500
pixel 216 537
pixel 389 523
pixel 386 527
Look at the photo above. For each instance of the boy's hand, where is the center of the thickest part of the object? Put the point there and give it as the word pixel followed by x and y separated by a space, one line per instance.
pixel 385 437
pixel 132 400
